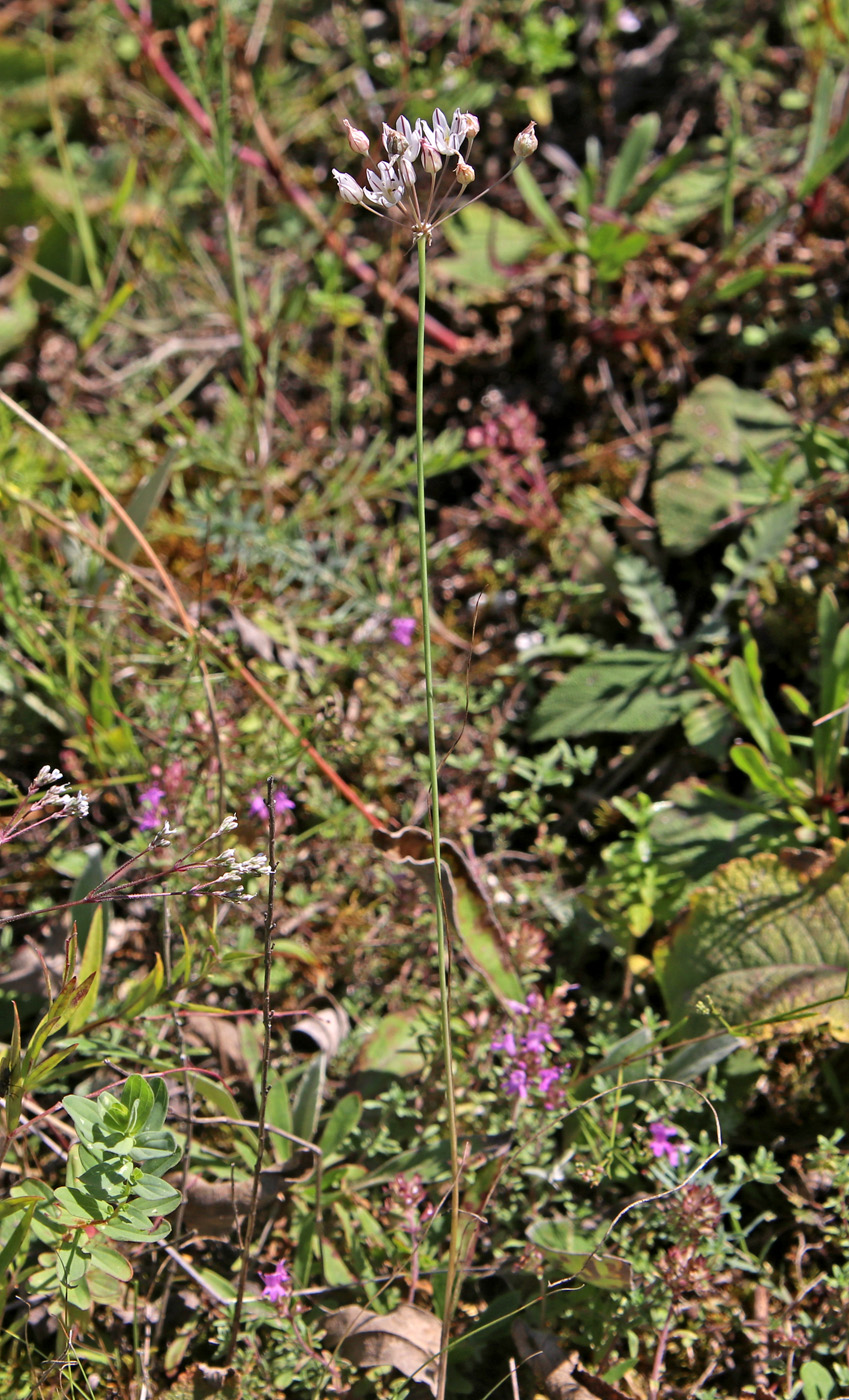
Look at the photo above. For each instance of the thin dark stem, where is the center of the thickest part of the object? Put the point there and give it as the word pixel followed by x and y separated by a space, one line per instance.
pixel 263 1089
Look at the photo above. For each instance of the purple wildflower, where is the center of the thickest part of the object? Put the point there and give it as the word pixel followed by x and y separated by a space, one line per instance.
pixel 517 1081
pixel 661 1144
pixel 548 1078
pixel 278 1284
pixel 537 1038
pixel 258 810
pixel 506 1041
pixel 151 801
pixel 401 630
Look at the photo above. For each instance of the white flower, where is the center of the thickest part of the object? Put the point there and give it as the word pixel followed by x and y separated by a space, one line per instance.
pixel 44 776
pixel 387 186
pixel 402 140
pixel 431 159
pixel 465 174
pixel 229 824
pixel 444 138
pixel 349 190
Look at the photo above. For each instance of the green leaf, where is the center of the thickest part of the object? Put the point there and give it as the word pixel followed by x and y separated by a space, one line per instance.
pixel 829 737
pixel 487 246
pixel 307 1105
pixel 636 149
pixel 620 692
pixel 652 602
pixel 394 1045
pixel 572 1252
pixel 143 503
pixel 765 939
pixel 703 477
pixel 817 1382
pixel 111 1262
pixel 342 1121
pixel 90 968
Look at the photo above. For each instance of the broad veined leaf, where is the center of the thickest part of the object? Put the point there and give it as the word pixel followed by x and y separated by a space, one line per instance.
pixel 766 939
pixel 618 692
pixel 703 477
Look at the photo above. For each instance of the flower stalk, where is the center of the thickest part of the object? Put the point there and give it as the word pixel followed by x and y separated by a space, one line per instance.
pixel 392 190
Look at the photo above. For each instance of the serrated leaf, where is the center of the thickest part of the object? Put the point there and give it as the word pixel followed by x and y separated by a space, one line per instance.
pixel 703 477
pixel 619 692
pixel 652 601
pixel 764 940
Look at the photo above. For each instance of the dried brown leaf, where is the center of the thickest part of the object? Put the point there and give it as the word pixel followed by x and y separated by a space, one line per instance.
pixel 408 1339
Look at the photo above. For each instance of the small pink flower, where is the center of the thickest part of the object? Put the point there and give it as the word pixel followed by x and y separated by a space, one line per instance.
pixel 506 1041
pixel 537 1038
pixel 548 1078
pixel 661 1144
pixel 282 804
pixel 517 1081
pixel 401 630
pixel 151 802
pixel 278 1284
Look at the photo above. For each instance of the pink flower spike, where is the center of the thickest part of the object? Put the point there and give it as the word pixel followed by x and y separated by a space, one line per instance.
pixel 519 1008
pixel 277 1285
pixel 401 630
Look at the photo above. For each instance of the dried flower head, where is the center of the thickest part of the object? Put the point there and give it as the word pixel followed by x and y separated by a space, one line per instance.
pixel 437 150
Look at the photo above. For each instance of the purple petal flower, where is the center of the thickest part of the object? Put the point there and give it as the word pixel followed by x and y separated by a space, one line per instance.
pixel 518 1007
pixel 661 1144
pixel 150 801
pixel 537 1038
pixel 506 1041
pixel 548 1078
pixel 517 1081
pixel 277 1285
pixel 401 630
pixel 258 810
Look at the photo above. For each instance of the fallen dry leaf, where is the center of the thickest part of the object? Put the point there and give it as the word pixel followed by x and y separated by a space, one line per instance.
pixel 552 1368
pixel 408 1339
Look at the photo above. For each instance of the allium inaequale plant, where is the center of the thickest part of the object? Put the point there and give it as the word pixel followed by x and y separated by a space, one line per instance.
pixel 438 153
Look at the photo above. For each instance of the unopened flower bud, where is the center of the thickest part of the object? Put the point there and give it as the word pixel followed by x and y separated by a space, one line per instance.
pixel 430 158
pixel 468 125
pixel 349 190
pixel 357 140
pixel 464 172
pixel 526 142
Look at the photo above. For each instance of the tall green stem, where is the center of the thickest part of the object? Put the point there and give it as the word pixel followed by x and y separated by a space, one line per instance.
pixel 443 952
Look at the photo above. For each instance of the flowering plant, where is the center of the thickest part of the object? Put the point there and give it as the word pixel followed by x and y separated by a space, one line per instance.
pixel 437 149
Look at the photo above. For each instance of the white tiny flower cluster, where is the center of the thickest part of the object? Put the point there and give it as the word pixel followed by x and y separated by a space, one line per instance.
pixel 237 869
pixel 392 183
pixel 73 804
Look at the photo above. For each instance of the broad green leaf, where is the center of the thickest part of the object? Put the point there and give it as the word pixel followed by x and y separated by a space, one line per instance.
pixel 111 1262
pixel 342 1121
pixel 652 601
pixel 90 967
pixel 394 1045
pixel 486 247
pixel 768 937
pixel 561 1242
pixel 703 478
pixel 143 503
pixel 817 1382
pixel 619 692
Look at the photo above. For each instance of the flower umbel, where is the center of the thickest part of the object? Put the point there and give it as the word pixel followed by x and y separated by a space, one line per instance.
pixel 437 147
